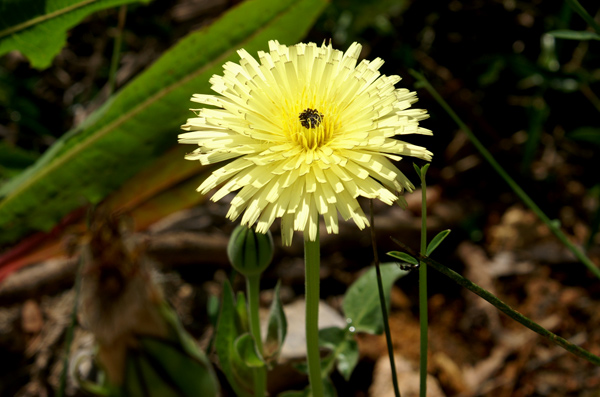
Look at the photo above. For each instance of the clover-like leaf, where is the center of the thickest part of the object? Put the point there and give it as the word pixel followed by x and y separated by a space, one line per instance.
pixel 404 257
pixel 437 240
pixel 344 349
pixel 361 303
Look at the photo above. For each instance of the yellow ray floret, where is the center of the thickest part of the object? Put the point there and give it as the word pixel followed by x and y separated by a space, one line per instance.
pixel 308 130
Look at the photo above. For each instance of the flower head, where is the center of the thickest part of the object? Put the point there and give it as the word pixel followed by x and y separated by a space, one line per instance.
pixel 309 131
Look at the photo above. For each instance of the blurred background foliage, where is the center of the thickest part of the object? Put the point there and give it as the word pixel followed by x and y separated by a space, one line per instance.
pixel 530 97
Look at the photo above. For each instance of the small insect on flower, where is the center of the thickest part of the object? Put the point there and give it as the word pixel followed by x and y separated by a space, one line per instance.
pixel 310 118
pixel 308 129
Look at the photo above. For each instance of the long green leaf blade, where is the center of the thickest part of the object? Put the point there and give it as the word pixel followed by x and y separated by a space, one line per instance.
pixel 143 120
pixel 38 29
pixel 574 34
pixel 226 334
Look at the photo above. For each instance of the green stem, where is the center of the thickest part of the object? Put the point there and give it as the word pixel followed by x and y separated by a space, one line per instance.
pixel 553 226
pixel 574 4
pixel 312 264
pixel 383 305
pixel 423 320
pixel 504 308
pixel 116 55
pixel 253 291
pixel 260 381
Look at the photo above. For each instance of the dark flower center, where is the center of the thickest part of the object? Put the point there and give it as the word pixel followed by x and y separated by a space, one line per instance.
pixel 310 118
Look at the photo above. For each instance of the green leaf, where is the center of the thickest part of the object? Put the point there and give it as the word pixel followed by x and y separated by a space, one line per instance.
pixel 276 328
pixel 404 257
pixel 421 171
pixel 347 358
pixel 576 6
pixel 242 312
pixel 328 391
pixel 226 334
pixel 179 371
pixel 417 169
pixel 425 168
pixel 344 349
pixel 574 35
pixel 143 120
pixel 585 134
pixel 433 244
pixel 212 309
pixel 361 303
pixel 295 393
pixel 245 346
pixel 38 29
pixel 15 157
pixel 179 335
pixel 331 337
pixel 328 388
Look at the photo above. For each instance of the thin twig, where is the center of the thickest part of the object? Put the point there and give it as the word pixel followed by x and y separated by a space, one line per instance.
pixel 553 226
pixel 574 4
pixel 423 319
pixel 383 305
pixel 503 307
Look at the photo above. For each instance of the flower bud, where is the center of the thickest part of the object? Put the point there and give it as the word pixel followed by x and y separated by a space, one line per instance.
pixel 250 252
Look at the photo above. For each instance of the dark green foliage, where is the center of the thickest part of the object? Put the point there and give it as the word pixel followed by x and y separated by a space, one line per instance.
pixel 361 303
pixel 276 327
pixel 38 28
pixel 139 123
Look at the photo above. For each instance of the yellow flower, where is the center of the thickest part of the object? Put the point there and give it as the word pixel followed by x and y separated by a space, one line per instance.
pixel 309 131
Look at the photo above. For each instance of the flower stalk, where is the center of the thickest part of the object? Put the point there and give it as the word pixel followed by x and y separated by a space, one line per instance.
pixel 423 316
pixel 312 263
pixel 253 291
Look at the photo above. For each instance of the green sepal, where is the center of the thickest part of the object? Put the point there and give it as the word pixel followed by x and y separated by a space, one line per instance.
pixel 249 252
